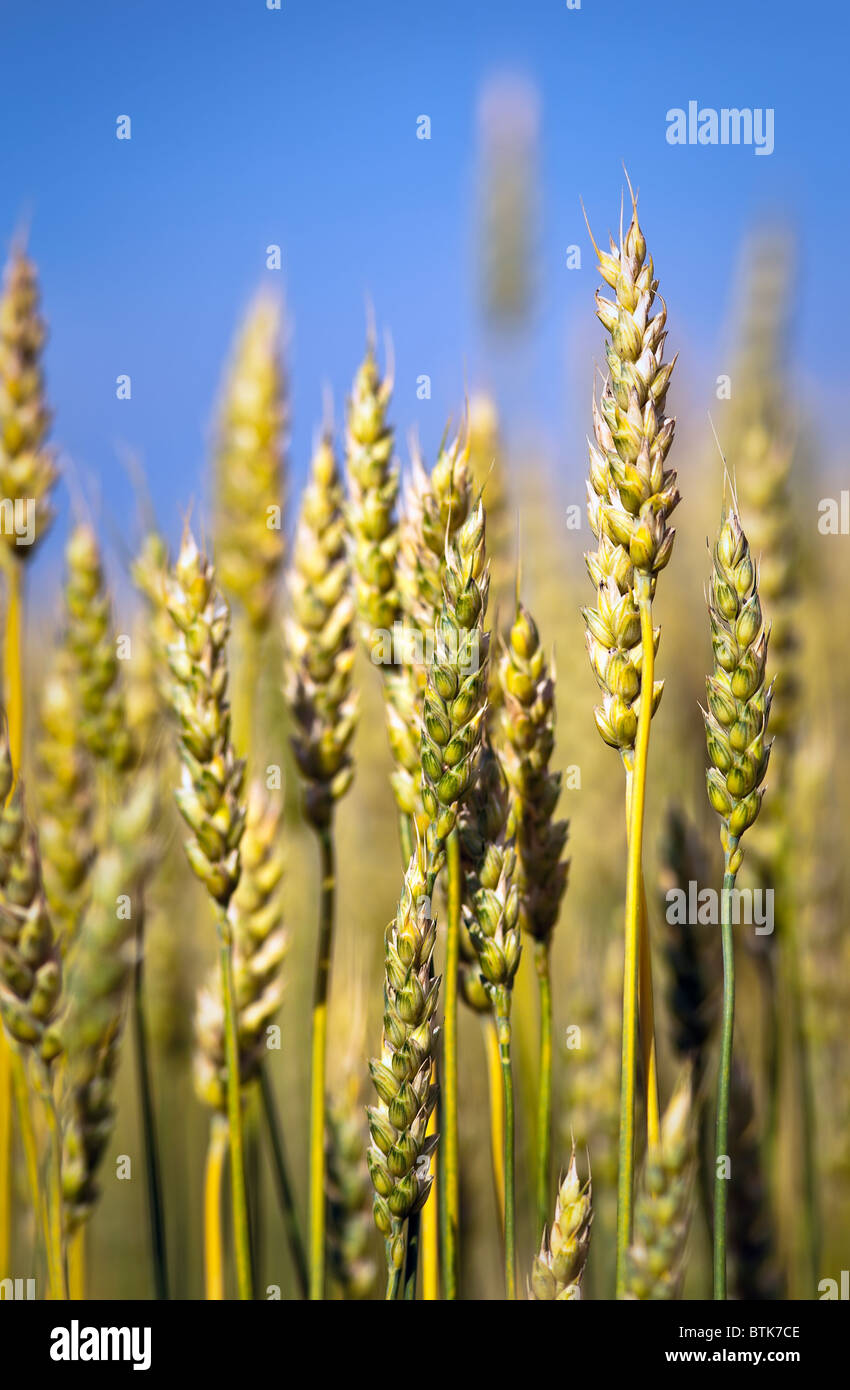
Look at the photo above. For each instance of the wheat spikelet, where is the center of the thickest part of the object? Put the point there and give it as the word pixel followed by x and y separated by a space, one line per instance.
pixel 98 992
pixel 320 642
pixel 559 1267
pixel 27 472
pixel 259 948
pixel 249 467
pixel 655 1259
pixel 30 960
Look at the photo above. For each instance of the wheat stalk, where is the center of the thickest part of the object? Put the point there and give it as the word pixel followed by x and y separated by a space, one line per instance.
pixel 527 739
pixel 27 478
pixel 320 643
pixel 209 799
pixel 631 494
pixel 736 736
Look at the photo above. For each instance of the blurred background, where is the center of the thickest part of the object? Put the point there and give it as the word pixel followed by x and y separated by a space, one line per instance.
pixel 254 128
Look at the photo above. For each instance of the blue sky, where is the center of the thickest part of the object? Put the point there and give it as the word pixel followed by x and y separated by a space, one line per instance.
pixel 299 127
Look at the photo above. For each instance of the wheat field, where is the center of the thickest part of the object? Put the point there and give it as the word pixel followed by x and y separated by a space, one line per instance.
pixel 338 958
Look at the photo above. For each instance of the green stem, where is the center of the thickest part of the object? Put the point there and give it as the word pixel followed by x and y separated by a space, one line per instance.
pixel 395 1267
pixel 542 962
pixel 503 1027
pixel 724 1078
pixel 285 1190
pixel 241 1234
pixel 156 1213
pixel 448 1182
pixel 634 882
pixel 317 1084
pixel 809 1207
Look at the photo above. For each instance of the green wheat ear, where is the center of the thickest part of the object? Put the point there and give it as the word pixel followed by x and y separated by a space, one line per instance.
pixel 27 470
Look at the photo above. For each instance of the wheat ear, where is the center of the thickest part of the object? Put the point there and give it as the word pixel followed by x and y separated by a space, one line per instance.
pixel 739 702
pixel 559 1267
pixel 631 494
pixel 209 799
pixel 655 1259
pixel 27 478
pixel 320 644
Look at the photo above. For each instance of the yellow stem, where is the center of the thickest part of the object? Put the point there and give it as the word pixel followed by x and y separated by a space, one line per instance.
pixel 213 1245
pixel 321 991
pixel 625 1180
pixel 646 1008
pixel 431 1224
pixel 13 695
pixel 497 1112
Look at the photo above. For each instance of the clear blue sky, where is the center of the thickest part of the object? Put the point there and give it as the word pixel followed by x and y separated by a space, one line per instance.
pixel 298 127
